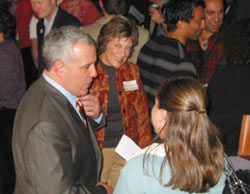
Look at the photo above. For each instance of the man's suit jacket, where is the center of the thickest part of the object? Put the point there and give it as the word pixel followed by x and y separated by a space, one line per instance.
pixel 62 18
pixel 53 152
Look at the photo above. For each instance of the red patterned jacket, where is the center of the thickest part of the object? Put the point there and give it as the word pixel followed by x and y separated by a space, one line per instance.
pixel 134 108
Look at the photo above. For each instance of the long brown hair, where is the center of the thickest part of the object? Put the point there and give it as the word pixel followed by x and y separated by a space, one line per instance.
pixel 193 149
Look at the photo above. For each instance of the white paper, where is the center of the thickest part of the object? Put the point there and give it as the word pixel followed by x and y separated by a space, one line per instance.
pixel 127 148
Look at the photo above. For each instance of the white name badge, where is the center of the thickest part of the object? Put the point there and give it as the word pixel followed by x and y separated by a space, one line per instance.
pixel 130 85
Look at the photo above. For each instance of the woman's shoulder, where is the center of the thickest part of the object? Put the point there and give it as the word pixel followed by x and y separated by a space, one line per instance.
pixel 147 157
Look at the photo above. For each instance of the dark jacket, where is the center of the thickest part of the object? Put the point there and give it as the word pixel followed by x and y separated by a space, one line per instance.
pixel 229 93
pixel 53 152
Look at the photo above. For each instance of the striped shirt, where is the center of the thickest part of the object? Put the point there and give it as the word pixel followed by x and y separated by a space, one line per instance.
pixel 162 58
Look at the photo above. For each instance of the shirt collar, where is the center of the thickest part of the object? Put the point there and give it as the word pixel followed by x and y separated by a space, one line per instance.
pixel 48 25
pixel 70 97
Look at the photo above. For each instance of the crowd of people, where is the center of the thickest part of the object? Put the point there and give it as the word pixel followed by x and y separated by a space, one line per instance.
pixel 78 75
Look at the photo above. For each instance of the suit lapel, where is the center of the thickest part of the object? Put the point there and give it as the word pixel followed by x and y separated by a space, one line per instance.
pixel 89 132
pixel 89 135
pixel 57 18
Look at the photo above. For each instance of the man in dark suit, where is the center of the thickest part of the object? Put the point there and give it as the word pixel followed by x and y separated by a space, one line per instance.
pixel 51 16
pixel 54 152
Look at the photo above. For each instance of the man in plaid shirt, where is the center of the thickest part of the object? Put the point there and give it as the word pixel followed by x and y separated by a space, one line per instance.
pixel 207 51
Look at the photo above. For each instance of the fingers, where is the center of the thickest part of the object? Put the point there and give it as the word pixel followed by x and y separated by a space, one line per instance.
pixel 91 105
pixel 152 10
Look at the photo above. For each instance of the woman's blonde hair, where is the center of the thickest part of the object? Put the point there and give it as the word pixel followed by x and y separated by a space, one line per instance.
pixel 193 149
pixel 118 27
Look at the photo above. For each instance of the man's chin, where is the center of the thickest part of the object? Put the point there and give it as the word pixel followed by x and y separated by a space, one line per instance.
pixel 83 93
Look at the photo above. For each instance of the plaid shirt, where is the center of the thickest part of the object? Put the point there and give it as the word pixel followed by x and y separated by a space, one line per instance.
pixel 210 61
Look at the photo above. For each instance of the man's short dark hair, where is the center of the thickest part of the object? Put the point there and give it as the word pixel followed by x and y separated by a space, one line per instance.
pixel 116 7
pixel 180 10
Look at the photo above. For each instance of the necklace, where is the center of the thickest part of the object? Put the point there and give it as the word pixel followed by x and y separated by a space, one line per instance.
pixel 203 43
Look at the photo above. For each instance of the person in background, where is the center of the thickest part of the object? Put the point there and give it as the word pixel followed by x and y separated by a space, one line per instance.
pixel 84 10
pixel 229 90
pixel 110 9
pixel 189 157
pixel 50 16
pixel 157 24
pixel 165 56
pixel 23 14
pixel 12 88
pixel 207 50
pixel 53 151
pixel 121 94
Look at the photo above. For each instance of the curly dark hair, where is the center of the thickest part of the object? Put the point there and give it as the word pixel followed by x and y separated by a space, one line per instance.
pixel 7 24
pixel 180 10
pixel 236 42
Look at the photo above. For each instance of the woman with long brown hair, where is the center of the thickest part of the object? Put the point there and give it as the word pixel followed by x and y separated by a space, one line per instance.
pixel 189 155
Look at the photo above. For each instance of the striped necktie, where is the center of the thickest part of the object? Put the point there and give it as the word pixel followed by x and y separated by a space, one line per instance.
pixel 80 108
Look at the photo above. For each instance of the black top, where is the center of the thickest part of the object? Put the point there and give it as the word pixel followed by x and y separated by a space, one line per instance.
pixel 229 93
pixel 114 129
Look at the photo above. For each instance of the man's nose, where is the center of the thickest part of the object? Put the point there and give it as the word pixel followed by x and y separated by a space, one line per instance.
pixel 92 70
pixel 217 17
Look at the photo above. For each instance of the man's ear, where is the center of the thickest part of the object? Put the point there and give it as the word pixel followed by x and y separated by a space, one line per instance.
pixel 58 67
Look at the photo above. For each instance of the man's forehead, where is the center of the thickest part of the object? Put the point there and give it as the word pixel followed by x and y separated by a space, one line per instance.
pixel 214 5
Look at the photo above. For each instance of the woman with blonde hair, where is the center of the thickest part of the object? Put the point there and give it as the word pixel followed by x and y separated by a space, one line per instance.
pixel 189 157
pixel 121 94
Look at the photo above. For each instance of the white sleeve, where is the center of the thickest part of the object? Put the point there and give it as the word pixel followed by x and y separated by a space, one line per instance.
pixel 32 27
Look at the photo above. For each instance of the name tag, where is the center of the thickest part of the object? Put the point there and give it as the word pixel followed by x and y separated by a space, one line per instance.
pixel 130 85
